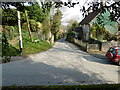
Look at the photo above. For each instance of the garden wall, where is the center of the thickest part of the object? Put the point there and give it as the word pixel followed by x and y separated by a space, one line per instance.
pixel 86 45
pixel 104 47
pixel 107 45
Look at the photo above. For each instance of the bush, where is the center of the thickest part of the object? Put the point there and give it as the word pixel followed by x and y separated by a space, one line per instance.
pixel 11 32
pixel 71 36
pixel 11 48
pixel 33 25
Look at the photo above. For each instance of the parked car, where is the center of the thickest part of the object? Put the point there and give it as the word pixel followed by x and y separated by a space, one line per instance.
pixel 113 54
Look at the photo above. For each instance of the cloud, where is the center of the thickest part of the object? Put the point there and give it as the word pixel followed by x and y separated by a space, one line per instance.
pixel 71 13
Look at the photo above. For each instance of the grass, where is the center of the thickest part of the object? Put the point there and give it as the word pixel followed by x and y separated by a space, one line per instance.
pixel 31 48
pixel 28 48
pixel 11 48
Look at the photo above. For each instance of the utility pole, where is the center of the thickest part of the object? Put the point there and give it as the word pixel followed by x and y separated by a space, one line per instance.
pixel 20 34
pixel 28 25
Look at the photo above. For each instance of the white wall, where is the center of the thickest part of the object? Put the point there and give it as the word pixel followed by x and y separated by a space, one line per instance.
pixel 86 31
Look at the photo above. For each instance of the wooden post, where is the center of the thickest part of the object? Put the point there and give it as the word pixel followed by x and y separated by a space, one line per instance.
pixel 20 34
pixel 28 25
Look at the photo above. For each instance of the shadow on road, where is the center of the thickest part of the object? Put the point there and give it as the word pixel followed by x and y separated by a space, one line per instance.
pixel 94 57
pixel 75 51
pixel 98 60
pixel 28 72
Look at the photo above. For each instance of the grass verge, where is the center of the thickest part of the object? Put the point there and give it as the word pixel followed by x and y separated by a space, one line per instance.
pixel 31 48
pixel 11 47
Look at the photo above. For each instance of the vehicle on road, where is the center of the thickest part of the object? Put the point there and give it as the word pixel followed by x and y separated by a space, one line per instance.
pixel 113 54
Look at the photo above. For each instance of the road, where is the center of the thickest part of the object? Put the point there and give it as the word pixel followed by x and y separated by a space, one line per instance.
pixel 64 64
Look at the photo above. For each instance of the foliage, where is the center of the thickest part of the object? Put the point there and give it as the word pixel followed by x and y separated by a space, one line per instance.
pixel 18 5
pixel 110 37
pixel 104 21
pixel 113 8
pixel 56 22
pixel 10 32
pixel 46 6
pixel 4 41
pixel 38 26
pixel 31 48
pixel 101 33
pixel 46 27
pixel 71 36
pixel 36 13
pixel 98 32
pixel 75 24
pixel 7 49
pixel 10 47
pixel 32 25
pixel 9 17
pixel 71 26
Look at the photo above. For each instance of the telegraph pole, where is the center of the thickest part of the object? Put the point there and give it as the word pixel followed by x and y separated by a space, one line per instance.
pixel 28 25
pixel 20 34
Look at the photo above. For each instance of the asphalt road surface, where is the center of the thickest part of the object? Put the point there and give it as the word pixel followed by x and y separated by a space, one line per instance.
pixel 64 64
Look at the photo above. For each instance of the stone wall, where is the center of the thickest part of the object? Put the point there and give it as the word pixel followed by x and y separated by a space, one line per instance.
pixel 80 43
pixel 107 45
pixel 86 46
pixel 104 47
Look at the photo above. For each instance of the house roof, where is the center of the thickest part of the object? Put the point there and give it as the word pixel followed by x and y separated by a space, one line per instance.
pixel 89 17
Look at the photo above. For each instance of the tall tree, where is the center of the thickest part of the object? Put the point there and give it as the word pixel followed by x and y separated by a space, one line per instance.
pixel 36 13
pixel 56 22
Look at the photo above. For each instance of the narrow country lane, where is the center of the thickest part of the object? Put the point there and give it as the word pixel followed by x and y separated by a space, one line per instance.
pixel 64 64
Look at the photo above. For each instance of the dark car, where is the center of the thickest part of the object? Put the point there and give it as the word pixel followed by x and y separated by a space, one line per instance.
pixel 113 54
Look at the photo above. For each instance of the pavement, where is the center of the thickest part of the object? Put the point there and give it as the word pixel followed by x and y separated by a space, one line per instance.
pixel 64 64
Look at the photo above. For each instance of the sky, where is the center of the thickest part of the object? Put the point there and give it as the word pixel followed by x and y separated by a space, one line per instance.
pixel 73 13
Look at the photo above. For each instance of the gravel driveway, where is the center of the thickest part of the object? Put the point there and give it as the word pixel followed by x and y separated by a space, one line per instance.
pixel 64 64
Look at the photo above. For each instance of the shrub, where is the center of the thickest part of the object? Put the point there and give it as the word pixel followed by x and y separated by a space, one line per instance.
pixel 70 36
pixel 33 25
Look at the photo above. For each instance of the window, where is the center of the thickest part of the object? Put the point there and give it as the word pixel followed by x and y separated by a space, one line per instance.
pixel 112 50
pixel 118 52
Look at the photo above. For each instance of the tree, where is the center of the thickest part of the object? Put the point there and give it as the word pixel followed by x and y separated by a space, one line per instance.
pixel 100 33
pixel 36 13
pixel 46 28
pixel 104 4
pixel 56 22
pixel 9 17
pixel 114 8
